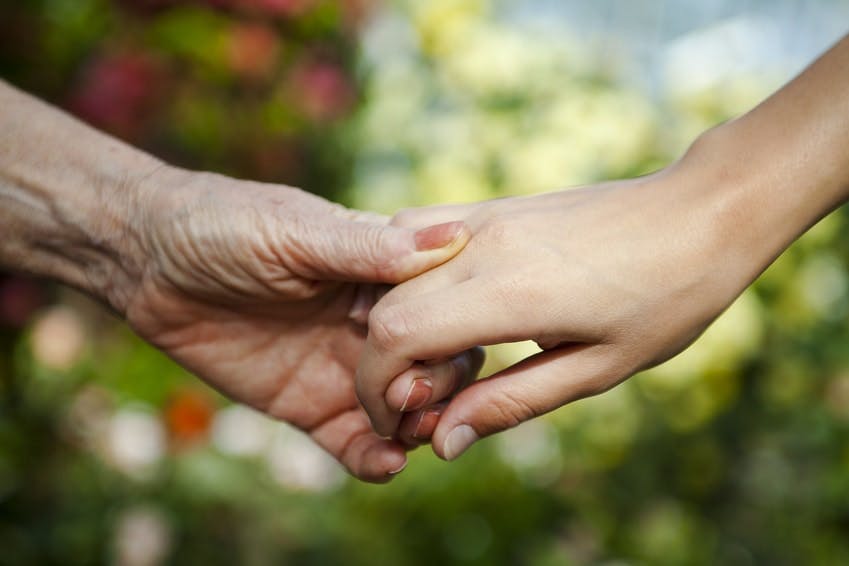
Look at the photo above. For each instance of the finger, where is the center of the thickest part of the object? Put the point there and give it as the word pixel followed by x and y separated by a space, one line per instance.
pixel 427 383
pixel 366 296
pixel 417 427
pixel 528 389
pixel 432 215
pixel 350 439
pixel 346 250
pixel 439 324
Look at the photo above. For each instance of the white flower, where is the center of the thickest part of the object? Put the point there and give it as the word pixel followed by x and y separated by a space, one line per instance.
pixel 58 338
pixel 135 441
pixel 294 461
pixel 142 537
pixel 240 431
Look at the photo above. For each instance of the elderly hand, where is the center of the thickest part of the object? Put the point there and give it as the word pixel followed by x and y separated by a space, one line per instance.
pixel 251 287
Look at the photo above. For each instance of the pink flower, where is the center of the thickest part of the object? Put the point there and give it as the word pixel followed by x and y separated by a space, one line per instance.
pixel 322 91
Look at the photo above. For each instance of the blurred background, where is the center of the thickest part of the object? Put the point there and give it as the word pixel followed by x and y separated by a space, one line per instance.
pixel 736 452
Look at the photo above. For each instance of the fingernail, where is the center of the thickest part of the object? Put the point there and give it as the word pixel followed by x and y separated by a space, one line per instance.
pixel 426 425
pixel 418 394
pixel 439 236
pixel 458 441
pixel 399 470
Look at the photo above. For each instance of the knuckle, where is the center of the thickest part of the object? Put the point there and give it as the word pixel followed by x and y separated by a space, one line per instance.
pixel 509 410
pixel 498 230
pixel 406 218
pixel 389 327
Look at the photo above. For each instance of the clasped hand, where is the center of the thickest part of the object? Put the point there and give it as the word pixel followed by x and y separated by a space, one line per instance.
pixel 608 281
pixel 268 294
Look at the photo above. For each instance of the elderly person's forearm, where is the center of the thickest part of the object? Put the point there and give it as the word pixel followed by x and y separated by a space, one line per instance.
pixel 70 199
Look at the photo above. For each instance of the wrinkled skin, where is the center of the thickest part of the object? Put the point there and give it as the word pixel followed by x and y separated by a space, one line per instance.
pixel 252 287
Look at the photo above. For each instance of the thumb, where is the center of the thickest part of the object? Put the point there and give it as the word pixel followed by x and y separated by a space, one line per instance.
pixel 526 390
pixel 375 253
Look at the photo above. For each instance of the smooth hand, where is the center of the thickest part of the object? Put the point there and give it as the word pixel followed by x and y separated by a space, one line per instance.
pixel 613 279
pixel 608 280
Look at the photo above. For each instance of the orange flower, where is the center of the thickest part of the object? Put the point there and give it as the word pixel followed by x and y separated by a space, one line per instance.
pixel 189 416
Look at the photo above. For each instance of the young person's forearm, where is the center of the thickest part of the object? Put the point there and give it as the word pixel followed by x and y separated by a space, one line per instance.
pixel 70 198
pixel 785 164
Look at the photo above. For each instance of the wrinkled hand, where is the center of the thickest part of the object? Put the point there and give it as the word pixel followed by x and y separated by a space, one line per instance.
pixel 608 280
pixel 250 287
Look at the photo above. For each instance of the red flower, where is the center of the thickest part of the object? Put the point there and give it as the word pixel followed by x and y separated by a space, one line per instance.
pixel 117 93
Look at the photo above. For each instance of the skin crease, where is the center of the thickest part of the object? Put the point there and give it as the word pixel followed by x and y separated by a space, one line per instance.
pixel 260 290
pixel 613 279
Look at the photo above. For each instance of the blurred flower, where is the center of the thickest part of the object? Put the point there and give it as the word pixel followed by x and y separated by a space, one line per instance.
pixel 87 416
pixel 253 50
pixel 442 24
pixel 189 416
pixel 142 537
pixel 58 338
pixel 492 61
pixel 295 462
pixel 240 431
pixel 19 298
pixel 135 441
pixel 117 93
pixel 321 90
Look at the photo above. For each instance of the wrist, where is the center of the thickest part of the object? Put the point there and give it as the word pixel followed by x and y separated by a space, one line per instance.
pixel 71 200
pixel 758 207
pixel 102 233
